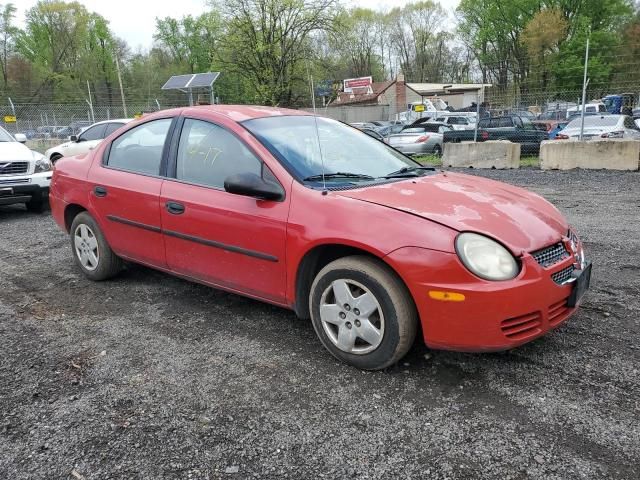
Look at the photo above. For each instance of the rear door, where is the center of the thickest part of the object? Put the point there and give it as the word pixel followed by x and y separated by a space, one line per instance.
pixel 126 189
pixel 232 241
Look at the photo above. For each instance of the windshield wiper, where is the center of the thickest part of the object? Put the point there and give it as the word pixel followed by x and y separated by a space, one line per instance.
pixel 408 172
pixel 320 176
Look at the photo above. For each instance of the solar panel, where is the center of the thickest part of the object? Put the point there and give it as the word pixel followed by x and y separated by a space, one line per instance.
pixel 203 79
pixel 177 81
pixel 197 80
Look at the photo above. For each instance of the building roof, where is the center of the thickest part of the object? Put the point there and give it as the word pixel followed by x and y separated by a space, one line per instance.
pixel 358 96
pixel 445 88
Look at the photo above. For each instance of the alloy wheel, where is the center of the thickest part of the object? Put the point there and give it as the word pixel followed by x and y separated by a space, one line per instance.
pixel 86 246
pixel 351 317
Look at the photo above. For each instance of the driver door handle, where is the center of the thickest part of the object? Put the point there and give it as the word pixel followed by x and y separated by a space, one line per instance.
pixel 174 208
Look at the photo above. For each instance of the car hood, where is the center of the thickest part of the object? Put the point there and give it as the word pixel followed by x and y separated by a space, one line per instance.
pixel 15 151
pixel 521 220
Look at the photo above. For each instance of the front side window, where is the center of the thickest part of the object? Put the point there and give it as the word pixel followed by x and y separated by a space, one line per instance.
pixel 140 149
pixel 112 127
pixel 92 133
pixel 309 146
pixel 209 154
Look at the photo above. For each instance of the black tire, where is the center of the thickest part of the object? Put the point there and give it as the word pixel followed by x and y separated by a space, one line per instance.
pixel 108 264
pixel 36 205
pixel 55 157
pixel 398 309
pixel 437 151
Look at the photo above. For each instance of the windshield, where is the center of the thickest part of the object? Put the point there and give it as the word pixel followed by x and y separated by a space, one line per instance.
pixel 4 136
pixel 304 149
pixel 595 121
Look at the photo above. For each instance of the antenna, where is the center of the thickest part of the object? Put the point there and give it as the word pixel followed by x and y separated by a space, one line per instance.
pixel 315 119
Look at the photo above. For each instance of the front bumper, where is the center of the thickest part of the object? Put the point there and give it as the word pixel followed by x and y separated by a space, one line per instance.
pixel 493 316
pixel 24 188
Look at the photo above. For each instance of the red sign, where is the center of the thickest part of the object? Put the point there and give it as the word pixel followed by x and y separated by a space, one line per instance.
pixel 351 83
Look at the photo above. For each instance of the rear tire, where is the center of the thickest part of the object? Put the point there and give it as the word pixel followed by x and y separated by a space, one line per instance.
pixel 91 252
pixel 437 151
pixel 362 312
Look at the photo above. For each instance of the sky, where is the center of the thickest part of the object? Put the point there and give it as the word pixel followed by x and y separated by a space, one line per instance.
pixel 134 20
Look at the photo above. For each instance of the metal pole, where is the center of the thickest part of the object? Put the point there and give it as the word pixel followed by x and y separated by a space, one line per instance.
pixel 475 133
pixel 313 94
pixel 93 116
pixel 124 104
pixel 158 104
pixel 13 109
pixel 584 87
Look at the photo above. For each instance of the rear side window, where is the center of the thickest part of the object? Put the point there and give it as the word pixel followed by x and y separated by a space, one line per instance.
pixel 93 133
pixel 112 127
pixel 208 155
pixel 140 149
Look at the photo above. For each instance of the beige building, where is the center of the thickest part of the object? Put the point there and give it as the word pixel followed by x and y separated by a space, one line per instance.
pixel 384 100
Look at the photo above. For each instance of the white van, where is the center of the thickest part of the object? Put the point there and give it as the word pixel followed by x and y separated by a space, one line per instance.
pixel 590 108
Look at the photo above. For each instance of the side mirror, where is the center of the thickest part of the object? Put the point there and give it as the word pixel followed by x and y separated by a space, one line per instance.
pixel 73 138
pixel 251 185
pixel 21 137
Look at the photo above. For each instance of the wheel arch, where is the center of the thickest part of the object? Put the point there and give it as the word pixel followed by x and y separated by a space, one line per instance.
pixel 315 259
pixel 71 211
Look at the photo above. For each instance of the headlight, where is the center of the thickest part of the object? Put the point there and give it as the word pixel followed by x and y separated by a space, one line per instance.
pixel 42 165
pixel 485 257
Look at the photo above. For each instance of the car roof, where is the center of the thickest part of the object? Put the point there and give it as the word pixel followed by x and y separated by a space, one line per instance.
pixel 237 113
pixel 113 120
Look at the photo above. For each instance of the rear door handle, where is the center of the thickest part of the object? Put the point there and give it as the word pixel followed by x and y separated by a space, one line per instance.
pixel 100 191
pixel 174 208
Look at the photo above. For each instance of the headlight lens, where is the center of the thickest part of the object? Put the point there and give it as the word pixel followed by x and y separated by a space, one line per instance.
pixel 485 257
pixel 42 165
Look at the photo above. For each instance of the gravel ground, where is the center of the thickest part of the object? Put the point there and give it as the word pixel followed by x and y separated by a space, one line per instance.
pixel 149 376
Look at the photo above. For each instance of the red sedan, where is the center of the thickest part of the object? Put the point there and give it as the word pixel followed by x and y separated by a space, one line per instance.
pixel 313 215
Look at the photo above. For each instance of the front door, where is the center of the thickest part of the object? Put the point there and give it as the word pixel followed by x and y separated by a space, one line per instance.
pixel 126 189
pixel 232 241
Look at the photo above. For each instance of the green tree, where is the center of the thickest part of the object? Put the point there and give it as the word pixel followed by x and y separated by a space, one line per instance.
pixel 419 40
pixel 8 33
pixel 268 44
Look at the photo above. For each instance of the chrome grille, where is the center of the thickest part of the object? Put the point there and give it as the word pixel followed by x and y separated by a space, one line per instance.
pixel 15 181
pixel 563 275
pixel 550 255
pixel 13 168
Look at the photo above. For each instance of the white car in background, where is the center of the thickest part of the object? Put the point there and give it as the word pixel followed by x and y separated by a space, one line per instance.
pixel 598 127
pixel 25 175
pixel 458 122
pixel 87 140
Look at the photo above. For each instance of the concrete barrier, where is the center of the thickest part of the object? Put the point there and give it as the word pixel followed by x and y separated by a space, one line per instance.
pixel 614 154
pixel 490 154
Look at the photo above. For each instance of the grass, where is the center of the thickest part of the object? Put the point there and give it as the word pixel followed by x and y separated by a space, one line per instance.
pixel 436 161
pixel 429 160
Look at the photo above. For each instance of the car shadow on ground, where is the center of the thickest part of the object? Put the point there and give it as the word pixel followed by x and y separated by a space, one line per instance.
pixel 279 326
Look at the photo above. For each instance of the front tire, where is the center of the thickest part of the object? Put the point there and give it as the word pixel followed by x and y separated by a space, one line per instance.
pixel 362 312
pixel 91 252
